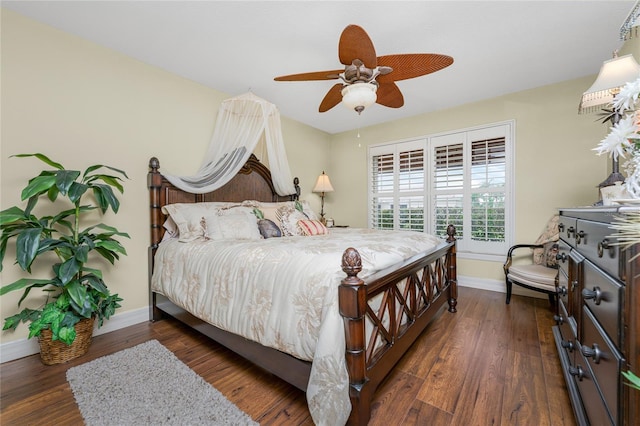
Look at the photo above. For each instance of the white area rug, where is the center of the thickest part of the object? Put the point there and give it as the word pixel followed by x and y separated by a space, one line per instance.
pixel 148 385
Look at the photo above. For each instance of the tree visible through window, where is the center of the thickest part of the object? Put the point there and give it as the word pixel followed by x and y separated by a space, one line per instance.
pixel 460 178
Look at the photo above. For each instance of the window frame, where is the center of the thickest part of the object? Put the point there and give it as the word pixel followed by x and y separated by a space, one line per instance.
pixel 480 250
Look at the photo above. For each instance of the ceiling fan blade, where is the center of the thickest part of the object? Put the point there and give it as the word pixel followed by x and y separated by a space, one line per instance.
pixel 412 65
pixel 356 44
pixel 317 75
pixel 332 98
pixel 389 95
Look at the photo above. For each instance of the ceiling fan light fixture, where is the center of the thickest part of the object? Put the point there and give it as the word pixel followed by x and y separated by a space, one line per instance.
pixel 358 96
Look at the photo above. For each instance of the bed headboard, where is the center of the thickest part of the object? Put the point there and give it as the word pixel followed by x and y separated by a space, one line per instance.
pixel 252 182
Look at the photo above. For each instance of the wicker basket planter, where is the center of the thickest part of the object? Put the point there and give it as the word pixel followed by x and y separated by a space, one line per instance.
pixel 57 352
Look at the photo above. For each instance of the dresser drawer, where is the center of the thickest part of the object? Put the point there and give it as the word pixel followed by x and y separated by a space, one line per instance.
pixel 590 394
pixel 567 229
pixel 567 330
pixel 594 241
pixel 563 256
pixel 603 295
pixel 605 361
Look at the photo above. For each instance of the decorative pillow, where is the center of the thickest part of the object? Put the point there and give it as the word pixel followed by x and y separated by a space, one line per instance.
pixel 241 226
pixel 268 229
pixel 188 216
pixel 312 227
pixel 306 208
pixel 550 253
pixel 170 229
pixel 288 217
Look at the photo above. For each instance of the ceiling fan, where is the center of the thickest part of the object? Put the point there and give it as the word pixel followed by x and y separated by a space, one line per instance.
pixel 367 78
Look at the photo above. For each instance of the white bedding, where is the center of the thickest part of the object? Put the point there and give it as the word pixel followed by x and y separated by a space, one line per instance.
pixel 283 293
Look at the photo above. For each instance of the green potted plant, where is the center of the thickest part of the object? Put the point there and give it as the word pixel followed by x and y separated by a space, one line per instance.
pixel 76 294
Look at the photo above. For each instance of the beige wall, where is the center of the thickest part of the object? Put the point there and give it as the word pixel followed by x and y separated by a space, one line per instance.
pixel 82 104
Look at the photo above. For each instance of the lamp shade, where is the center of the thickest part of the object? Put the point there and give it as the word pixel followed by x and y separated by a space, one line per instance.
pixel 323 184
pixel 614 74
pixel 358 96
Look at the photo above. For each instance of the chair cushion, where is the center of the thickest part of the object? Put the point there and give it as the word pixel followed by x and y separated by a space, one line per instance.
pixel 537 276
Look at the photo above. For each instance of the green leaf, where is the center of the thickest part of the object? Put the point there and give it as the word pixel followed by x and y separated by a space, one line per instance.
pixel 76 191
pixel 112 245
pixel 64 180
pixel 98 166
pixel 79 298
pixel 67 335
pixel 52 193
pixel 258 213
pixel 634 381
pixel 38 185
pixel 11 215
pixel 30 205
pixel 97 284
pixel 22 283
pixel 41 157
pixel 68 270
pixel 27 245
pixel 106 198
pixel 26 315
pixel 92 271
pixel 82 254
pixel 109 180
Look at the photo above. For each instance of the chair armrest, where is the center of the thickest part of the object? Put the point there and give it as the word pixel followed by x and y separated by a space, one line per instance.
pixel 509 260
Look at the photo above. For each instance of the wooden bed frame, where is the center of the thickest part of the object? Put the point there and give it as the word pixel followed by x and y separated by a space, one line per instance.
pixel 403 315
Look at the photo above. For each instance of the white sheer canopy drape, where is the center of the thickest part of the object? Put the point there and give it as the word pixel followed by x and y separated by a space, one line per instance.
pixel 242 121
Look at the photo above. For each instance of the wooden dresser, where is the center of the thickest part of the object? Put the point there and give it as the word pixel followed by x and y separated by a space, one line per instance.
pixel 598 319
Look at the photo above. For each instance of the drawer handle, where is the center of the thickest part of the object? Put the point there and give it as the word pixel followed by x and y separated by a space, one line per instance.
pixel 562 291
pixel 595 294
pixel 567 345
pixel 593 352
pixel 558 319
pixel 561 227
pixel 570 230
pixel 605 245
pixel 580 236
pixel 577 372
pixel 562 257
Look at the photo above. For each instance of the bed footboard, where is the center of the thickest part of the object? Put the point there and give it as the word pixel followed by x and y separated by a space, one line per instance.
pixel 409 298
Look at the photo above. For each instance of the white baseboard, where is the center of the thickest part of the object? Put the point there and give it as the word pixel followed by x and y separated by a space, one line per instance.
pixel 25 347
pixel 497 286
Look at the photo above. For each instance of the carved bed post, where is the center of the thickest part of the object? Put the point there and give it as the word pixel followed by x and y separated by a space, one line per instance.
pixel 154 183
pixel 451 269
pixel 353 306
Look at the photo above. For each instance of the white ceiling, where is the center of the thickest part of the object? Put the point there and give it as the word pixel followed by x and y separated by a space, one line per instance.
pixel 499 47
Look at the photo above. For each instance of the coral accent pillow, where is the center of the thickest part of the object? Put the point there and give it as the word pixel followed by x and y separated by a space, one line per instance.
pixel 312 227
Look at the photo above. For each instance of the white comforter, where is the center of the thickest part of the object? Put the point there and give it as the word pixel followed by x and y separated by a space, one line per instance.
pixel 283 293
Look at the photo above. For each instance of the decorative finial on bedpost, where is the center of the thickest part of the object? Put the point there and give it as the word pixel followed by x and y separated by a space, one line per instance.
pixel 296 184
pixel 451 231
pixel 154 165
pixel 351 263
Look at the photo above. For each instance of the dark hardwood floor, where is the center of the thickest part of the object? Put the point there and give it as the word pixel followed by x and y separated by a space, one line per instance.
pixel 488 364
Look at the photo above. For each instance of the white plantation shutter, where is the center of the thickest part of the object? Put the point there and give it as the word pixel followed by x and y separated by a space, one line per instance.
pixel 397 186
pixel 462 178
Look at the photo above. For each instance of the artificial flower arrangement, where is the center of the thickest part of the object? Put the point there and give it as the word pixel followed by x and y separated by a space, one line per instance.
pixel 623 139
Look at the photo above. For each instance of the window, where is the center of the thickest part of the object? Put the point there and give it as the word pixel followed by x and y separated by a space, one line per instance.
pixel 462 178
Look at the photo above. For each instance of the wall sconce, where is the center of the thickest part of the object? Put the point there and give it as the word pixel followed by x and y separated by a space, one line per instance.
pixel 323 184
pixel 614 74
pixel 358 96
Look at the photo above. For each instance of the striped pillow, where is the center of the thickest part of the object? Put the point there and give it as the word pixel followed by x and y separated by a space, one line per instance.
pixel 312 227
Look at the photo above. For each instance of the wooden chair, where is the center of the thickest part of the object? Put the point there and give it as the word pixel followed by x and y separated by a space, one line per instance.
pixel 540 273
